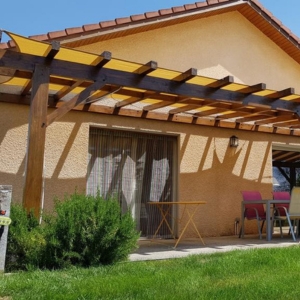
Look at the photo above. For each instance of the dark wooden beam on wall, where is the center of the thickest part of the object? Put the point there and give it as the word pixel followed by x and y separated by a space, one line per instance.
pixel 282 94
pixel 55 46
pixel 187 75
pixel 33 188
pixel 253 88
pixel 77 71
pixel 182 109
pixel 222 82
pixel 147 68
pixel 78 99
pixel 103 59
pixel 227 103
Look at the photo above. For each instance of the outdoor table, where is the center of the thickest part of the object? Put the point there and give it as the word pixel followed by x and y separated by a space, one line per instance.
pixel 268 207
pixel 189 210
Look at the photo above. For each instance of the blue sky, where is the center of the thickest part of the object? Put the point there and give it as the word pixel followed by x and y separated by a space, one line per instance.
pixel 33 17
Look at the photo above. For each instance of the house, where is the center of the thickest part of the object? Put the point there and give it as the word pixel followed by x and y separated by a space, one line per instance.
pixel 143 107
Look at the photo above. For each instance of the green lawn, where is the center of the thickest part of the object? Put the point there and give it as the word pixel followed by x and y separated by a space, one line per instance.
pixel 249 274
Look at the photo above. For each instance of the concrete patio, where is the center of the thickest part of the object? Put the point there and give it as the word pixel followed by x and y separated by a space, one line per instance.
pixel 164 249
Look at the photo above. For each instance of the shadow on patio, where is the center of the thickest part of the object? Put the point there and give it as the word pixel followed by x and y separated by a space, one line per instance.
pixel 164 249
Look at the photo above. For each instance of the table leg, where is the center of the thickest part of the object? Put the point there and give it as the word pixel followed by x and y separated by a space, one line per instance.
pixel 164 214
pixel 190 219
pixel 195 227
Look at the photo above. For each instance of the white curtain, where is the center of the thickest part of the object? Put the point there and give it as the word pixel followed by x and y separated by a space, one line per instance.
pixel 133 167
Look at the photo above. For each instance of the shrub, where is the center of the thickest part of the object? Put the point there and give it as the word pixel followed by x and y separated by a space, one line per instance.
pixel 88 231
pixel 25 240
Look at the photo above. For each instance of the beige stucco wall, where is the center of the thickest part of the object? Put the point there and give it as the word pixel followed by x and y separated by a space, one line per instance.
pixel 217 46
pixel 208 169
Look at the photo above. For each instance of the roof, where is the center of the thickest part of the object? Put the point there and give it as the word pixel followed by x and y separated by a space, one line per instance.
pixel 250 9
pixel 101 84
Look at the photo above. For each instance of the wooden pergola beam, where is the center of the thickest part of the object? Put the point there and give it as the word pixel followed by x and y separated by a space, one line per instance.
pixel 77 71
pixel 33 188
pixel 147 68
pixel 103 59
pixel 81 97
pixel 254 88
pixel 187 75
pixel 222 82
pixel 282 94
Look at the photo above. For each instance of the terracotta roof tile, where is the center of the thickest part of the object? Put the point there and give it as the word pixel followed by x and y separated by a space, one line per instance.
pixel 138 17
pixel 3 45
pixel 39 37
pixel 106 24
pixel 256 2
pixel 56 34
pixel 123 20
pixel 167 11
pixel 286 29
pixel 201 4
pixel 178 9
pixel 277 21
pixel 190 6
pixel 211 2
pixel 74 30
pixel 152 14
pixel 90 27
pixel 295 37
pixel 11 43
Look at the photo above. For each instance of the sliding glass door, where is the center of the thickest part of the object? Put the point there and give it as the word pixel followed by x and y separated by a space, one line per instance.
pixel 135 168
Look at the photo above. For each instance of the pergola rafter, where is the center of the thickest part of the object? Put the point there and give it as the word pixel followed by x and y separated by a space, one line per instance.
pixel 66 79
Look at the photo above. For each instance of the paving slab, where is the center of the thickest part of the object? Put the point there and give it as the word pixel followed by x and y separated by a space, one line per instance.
pixel 164 249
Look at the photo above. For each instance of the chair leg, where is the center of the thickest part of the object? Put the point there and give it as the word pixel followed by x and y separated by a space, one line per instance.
pixel 259 228
pixel 242 229
pixel 280 226
pixel 291 228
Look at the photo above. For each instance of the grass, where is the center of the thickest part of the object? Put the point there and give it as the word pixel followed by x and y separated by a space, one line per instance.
pixel 248 274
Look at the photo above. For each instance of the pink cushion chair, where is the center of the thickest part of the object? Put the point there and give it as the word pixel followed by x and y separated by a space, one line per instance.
pixel 255 211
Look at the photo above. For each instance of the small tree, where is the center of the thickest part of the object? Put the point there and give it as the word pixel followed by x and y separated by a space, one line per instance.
pixel 88 231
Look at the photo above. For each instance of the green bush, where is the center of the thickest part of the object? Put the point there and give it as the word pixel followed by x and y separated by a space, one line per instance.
pixel 82 231
pixel 88 231
pixel 25 240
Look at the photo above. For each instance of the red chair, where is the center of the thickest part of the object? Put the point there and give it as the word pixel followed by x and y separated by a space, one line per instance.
pixel 255 211
pixel 280 209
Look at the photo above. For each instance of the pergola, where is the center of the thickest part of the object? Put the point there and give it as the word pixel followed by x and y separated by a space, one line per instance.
pixel 54 80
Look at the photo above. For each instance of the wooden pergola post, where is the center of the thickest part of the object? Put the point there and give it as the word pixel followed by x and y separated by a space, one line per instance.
pixel 33 188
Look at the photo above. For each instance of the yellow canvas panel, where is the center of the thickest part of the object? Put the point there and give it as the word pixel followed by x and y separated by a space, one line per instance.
pixel 264 93
pixel 76 56
pixel 150 101
pixel 17 82
pixel 201 80
pixel 58 87
pixel 205 108
pixel 178 105
pixel 234 87
pixel 227 112
pixel 165 74
pixel 135 90
pixel 29 46
pixel 291 97
pixel 122 65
